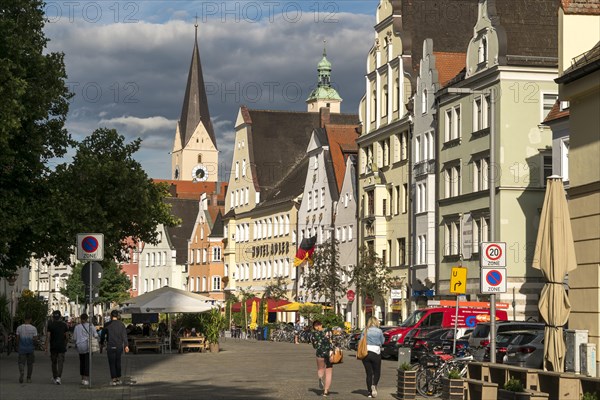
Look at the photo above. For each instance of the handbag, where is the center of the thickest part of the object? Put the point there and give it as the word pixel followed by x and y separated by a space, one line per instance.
pixel 361 351
pixel 95 344
pixel 336 356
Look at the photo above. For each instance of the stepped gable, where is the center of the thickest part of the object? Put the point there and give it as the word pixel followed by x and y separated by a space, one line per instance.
pixel 278 140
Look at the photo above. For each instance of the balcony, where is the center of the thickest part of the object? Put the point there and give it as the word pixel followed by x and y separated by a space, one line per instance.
pixel 423 168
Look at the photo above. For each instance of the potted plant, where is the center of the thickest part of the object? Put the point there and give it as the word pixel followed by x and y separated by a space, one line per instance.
pixel 407 382
pixel 214 323
pixel 453 386
pixel 513 390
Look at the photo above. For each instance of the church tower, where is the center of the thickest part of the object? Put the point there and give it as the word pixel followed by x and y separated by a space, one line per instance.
pixel 324 95
pixel 195 155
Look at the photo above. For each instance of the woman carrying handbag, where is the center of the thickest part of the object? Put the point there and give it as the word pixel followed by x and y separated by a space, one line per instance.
pixel 81 335
pixel 372 361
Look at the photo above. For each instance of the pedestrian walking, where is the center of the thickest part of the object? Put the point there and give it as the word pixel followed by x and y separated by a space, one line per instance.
pixel 81 335
pixel 57 338
pixel 114 335
pixel 297 330
pixel 321 341
pixel 372 362
pixel 26 336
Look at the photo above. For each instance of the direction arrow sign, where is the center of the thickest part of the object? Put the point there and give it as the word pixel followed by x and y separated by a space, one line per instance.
pixel 493 280
pixel 458 280
pixel 493 254
pixel 90 246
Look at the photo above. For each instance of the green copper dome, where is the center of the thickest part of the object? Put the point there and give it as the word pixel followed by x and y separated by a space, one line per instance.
pixel 324 90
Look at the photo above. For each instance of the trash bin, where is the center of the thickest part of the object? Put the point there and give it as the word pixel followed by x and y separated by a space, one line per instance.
pixel 266 333
pixel 403 356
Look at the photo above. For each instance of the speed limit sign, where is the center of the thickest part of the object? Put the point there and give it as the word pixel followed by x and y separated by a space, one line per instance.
pixel 493 254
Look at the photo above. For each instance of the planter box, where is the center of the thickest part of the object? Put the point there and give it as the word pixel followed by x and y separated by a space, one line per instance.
pixel 407 385
pixel 452 389
pixel 529 395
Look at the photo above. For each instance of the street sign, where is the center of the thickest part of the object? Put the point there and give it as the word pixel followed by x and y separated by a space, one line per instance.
pixel 493 254
pixel 458 280
pixel 90 246
pixel 395 294
pixel 493 280
pixel 350 295
pixel 95 269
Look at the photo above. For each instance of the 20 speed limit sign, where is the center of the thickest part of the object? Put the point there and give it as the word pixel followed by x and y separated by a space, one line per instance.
pixel 493 254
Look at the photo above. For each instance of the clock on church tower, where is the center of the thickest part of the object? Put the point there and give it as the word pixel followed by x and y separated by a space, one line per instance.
pixel 199 173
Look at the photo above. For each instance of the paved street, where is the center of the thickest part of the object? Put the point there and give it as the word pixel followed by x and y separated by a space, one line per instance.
pixel 242 370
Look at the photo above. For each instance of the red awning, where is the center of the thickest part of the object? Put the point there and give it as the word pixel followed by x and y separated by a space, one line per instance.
pixel 271 304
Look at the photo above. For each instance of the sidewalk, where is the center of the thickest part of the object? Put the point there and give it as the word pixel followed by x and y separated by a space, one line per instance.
pixel 244 369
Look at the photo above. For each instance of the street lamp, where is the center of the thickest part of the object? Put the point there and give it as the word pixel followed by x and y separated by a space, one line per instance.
pixel 492 194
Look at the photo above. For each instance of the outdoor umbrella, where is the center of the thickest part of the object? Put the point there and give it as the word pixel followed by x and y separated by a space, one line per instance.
pixel 555 257
pixel 253 316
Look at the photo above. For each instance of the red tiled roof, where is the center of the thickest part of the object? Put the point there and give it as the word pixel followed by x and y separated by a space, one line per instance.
pixel 448 65
pixel 340 137
pixel 193 190
pixel 584 7
pixel 556 113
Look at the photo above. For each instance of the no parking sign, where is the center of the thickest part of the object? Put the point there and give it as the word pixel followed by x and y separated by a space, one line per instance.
pixel 90 246
pixel 493 280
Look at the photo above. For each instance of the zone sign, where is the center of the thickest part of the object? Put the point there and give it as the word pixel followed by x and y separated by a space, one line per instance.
pixel 493 254
pixel 90 246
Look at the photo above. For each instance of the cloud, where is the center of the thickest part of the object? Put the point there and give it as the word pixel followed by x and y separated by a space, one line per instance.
pixel 132 76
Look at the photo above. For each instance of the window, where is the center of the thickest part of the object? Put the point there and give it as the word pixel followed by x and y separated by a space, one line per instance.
pixel 191 285
pixel 451 238
pixel 159 283
pixel 398 198
pixel 546 167
pixel 482 51
pixel 237 170
pixel 316 200
pixel 401 251
pixel 480 232
pixel 385 144
pixel 384 101
pixel 281 226
pixel 370 203
pixel 316 163
pixel 548 102
pixel 204 254
pixel 166 281
pixel 199 158
pixel 403 145
pixel 404 198
pixel 276 226
pixel 309 201
pixel 417 149
pixel 480 174
pixel 151 284
pixel 452 124
pixel 481 113
pixel 244 169
pixel 452 181
pixel 350 233
pixel 287 225
pixel 216 253
pixel 247 195
pixel 564 160
pixel 145 285
pixel 346 197
pixel 216 283
pixel 204 284
pixel 134 282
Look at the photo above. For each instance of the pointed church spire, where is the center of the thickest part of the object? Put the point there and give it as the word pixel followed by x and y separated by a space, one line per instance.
pixel 324 91
pixel 195 103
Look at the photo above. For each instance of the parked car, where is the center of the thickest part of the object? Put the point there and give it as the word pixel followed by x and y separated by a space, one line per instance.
pixel 503 339
pixel 480 338
pixel 426 341
pixel 526 350
pixel 434 318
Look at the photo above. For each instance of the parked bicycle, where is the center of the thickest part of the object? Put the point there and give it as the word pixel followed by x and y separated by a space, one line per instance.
pixel 433 367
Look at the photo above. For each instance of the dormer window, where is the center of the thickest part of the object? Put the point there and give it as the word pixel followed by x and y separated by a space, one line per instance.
pixel 483 50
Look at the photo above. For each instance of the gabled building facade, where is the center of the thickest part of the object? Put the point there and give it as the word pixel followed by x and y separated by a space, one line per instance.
pixel 511 68
pixel 435 70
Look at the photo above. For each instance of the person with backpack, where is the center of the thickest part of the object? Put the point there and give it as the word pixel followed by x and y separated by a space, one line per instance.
pixel 81 335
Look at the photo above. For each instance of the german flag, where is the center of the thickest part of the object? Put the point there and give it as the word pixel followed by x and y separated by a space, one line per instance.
pixel 305 251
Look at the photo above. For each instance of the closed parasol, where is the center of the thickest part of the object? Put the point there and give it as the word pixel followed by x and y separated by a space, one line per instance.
pixel 555 257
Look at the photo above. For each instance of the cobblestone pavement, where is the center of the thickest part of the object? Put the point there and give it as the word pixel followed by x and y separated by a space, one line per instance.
pixel 243 369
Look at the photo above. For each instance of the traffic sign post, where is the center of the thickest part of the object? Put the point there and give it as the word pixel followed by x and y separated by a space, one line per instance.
pixel 493 280
pixel 350 295
pixel 493 254
pixel 90 247
pixel 458 280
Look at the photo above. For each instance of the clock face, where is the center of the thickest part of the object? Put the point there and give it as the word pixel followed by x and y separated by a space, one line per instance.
pixel 199 173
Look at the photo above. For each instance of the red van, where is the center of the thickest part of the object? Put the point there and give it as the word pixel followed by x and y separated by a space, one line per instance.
pixel 434 318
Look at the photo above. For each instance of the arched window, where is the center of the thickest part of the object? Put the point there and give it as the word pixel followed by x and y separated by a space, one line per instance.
pixel 199 158
pixel 424 102
pixel 483 49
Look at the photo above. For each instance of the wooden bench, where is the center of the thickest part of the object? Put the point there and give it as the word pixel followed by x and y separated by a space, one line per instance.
pixel 480 390
pixel 147 346
pixel 192 343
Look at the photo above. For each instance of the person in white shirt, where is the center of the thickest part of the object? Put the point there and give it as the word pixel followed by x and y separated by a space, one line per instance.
pixel 26 336
pixel 81 335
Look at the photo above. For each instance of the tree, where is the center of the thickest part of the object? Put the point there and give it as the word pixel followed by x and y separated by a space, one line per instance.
pixel 105 190
pixel 114 286
pixel 324 278
pixel 245 295
pixel 276 290
pixel 371 276
pixel 34 106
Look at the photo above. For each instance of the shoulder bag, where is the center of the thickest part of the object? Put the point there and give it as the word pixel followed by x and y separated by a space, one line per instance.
pixel 336 356
pixel 361 351
pixel 95 344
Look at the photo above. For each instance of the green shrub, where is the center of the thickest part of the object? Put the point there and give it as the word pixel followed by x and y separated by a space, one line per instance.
pixel 405 366
pixel 454 374
pixel 513 385
pixel 589 396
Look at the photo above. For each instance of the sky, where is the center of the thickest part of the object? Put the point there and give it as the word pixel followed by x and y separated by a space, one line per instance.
pixel 127 62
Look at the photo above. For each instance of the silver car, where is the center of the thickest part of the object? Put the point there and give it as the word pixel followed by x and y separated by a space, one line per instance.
pixel 526 350
pixel 480 337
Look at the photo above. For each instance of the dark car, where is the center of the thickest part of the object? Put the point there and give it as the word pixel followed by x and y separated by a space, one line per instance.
pixel 503 339
pixel 526 350
pixel 480 337
pixel 425 341
pixel 355 337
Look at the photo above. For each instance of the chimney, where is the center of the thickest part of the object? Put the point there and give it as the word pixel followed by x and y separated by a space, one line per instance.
pixel 324 116
pixel 173 190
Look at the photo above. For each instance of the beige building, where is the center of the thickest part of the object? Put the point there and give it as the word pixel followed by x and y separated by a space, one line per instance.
pixel 579 85
pixel 512 71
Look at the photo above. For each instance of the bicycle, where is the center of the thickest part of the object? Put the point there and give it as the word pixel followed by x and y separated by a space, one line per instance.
pixel 434 367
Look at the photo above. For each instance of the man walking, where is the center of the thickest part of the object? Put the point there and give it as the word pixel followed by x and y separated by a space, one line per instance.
pixel 114 335
pixel 57 337
pixel 26 334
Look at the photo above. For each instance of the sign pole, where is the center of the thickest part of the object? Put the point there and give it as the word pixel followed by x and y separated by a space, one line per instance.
pixel 90 334
pixel 455 326
pixel 492 193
